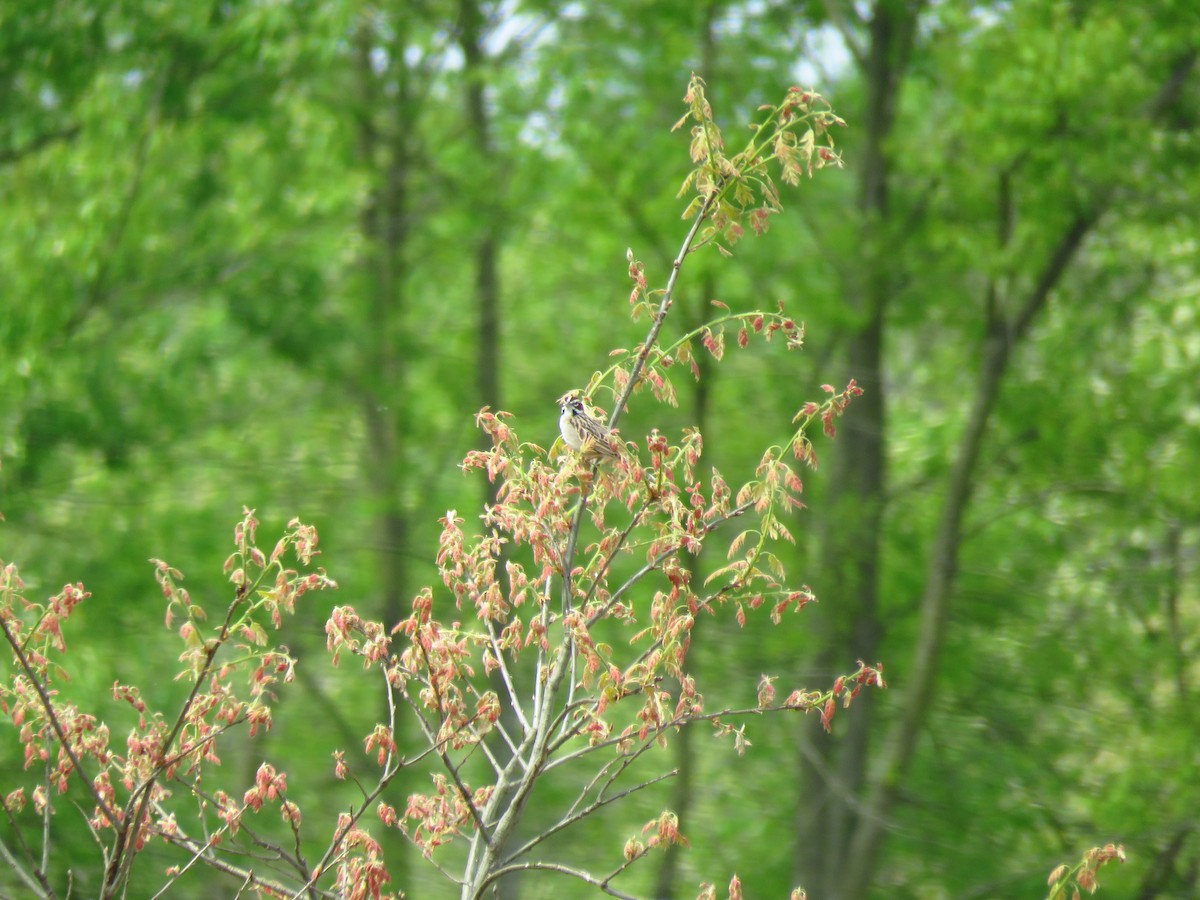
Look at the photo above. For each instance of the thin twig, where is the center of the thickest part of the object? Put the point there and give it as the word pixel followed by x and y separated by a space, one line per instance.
pixel 514 699
pixel 44 890
pixel 392 768
pixel 52 718
pixel 622 540
pixel 140 797
pixel 662 557
pixel 445 757
pixel 562 869
pixel 664 306
pixel 200 853
pixel 581 814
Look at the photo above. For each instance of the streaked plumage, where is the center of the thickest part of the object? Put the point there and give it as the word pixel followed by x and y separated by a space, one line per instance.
pixel 580 431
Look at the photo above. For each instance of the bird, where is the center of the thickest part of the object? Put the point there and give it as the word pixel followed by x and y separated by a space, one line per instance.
pixel 582 432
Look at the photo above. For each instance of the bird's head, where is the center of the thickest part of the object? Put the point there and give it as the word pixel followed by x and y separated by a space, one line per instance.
pixel 571 403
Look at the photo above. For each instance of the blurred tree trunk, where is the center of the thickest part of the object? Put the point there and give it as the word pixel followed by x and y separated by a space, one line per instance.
pixel 383 130
pixel 486 213
pixel 832 768
pixel 1003 333
pixel 383 112
pixel 383 125
pixel 843 814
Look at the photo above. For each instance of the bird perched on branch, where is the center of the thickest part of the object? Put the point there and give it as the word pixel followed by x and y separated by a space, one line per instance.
pixel 583 432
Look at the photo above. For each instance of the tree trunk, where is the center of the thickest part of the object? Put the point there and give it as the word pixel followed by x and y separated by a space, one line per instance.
pixel 832 768
pixel 383 125
pixel 1003 333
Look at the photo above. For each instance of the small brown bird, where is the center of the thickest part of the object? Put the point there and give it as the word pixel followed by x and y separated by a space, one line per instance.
pixel 580 431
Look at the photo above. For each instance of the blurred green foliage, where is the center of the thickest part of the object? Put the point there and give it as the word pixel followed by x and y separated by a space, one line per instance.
pixel 193 316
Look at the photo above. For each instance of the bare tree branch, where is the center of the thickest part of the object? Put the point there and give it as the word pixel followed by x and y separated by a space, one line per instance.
pixel 41 887
pixel 577 816
pixel 562 869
